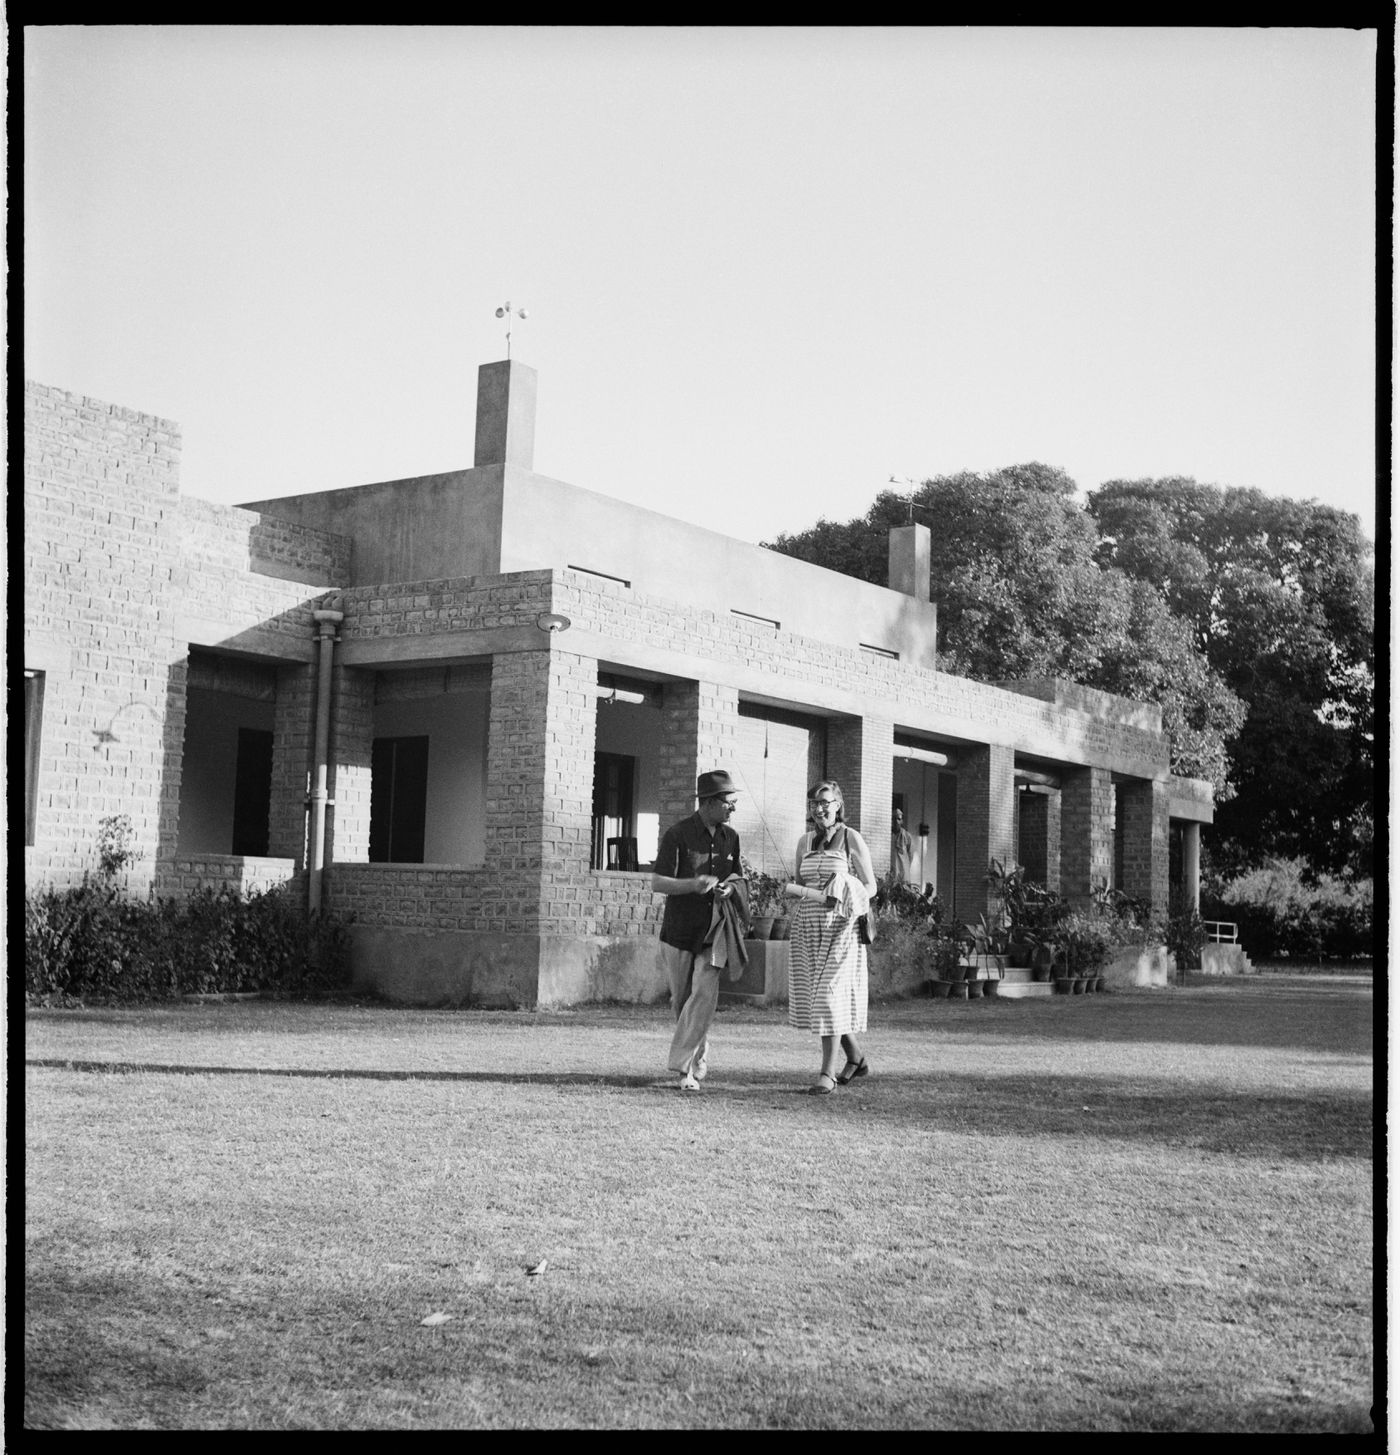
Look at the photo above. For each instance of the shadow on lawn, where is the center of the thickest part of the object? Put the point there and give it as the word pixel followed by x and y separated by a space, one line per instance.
pixel 1318 1124
pixel 1323 1017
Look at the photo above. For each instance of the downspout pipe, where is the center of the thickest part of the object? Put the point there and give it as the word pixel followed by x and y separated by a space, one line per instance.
pixel 326 624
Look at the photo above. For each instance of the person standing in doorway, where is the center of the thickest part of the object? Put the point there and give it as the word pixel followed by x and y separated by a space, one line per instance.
pixel 698 861
pixel 829 976
pixel 901 851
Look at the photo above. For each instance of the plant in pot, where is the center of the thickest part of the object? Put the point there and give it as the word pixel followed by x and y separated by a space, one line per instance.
pixel 765 900
pixel 943 950
pixel 1088 940
pixel 1028 912
pixel 989 940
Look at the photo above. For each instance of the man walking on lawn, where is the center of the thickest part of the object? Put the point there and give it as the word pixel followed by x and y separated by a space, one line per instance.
pixel 696 859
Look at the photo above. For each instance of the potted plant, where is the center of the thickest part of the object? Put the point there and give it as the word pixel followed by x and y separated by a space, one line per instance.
pixel 1088 939
pixel 765 900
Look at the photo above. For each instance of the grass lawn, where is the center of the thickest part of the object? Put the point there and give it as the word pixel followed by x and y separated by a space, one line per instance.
pixel 1142 1211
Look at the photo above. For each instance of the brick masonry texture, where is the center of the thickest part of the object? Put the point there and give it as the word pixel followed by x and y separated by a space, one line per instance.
pixel 110 571
pixel 120 573
pixel 221 535
pixel 1086 856
pixel 985 818
pixel 1143 836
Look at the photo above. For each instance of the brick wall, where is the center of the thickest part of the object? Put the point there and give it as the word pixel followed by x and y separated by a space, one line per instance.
pixel 448 898
pixel 1143 841
pixel 100 562
pixel 794 662
pixel 985 819
pixel 860 757
pixel 1086 831
pixel 775 758
pixel 183 874
pixel 244 540
pixel 699 733
pixel 1038 837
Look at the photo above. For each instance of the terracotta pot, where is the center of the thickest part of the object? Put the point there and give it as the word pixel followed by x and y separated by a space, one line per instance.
pixel 991 989
pixel 940 989
pixel 957 990
pixel 975 988
pixel 1063 985
pixel 761 927
pixel 1078 984
pixel 782 928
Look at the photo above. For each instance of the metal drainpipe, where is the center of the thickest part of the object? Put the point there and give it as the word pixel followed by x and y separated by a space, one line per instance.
pixel 326 623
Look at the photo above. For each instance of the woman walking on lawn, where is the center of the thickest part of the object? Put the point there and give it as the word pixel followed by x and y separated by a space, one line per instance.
pixel 829 977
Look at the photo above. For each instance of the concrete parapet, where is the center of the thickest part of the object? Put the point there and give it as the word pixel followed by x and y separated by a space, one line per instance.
pixel 1225 960
pixel 1131 968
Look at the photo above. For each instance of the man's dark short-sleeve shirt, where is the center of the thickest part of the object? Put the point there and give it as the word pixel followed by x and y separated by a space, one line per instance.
pixel 687 849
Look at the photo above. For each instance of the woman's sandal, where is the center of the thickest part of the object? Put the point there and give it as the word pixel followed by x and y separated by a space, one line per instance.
pixel 851 1070
pixel 819 1089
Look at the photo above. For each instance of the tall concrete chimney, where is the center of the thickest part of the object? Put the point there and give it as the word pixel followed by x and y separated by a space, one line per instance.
pixel 505 414
pixel 910 560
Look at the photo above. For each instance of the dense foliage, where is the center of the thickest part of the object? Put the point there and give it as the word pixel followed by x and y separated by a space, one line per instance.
pixel 1284 912
pixel 1248 619
pixel 1279 599
pixel 91 943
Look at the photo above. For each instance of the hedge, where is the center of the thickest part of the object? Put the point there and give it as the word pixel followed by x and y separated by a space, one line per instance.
pixel 91 943
pixel 1283 913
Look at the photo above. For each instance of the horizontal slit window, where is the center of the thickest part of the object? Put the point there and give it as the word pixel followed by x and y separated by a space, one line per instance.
pixel 749 616
pixel 601 575
pixel 879 651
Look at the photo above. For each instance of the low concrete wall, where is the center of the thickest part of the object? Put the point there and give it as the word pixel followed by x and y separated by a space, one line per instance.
pixel 1130 968
pixel 477 967
pixel 1225 960
pixel 765 977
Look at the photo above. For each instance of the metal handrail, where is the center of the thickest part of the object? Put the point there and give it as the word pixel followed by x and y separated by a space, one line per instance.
pixel 1221 931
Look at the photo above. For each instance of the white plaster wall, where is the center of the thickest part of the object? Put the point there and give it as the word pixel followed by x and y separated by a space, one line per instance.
pixel 918 782
pixel 455 726
pixel 635 729
pixel 212 721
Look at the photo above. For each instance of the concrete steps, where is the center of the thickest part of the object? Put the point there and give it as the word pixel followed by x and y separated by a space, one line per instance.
pixel 1021 985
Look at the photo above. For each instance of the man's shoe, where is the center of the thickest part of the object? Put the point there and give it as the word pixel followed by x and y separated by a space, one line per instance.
pixel 689 1083
pixel 701 1069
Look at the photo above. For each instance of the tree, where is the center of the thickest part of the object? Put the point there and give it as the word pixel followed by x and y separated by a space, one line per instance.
pixel 1278 596
pixel 1021 593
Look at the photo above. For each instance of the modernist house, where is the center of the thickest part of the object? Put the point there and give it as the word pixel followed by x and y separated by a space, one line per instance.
pixel 460 708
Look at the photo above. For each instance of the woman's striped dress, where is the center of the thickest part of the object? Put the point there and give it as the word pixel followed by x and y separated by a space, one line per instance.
pixel 828 975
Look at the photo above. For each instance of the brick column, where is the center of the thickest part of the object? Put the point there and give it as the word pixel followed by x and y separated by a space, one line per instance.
pixel 1086 831
pixel 860 757
pixel 699 731
pixel 1039 838
pixel 986 811
pixel 350 753
pixel 1143 834
pixel 539 785
pixel 293 734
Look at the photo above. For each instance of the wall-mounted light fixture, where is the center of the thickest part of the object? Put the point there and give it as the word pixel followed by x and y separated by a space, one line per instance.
pixel 550 621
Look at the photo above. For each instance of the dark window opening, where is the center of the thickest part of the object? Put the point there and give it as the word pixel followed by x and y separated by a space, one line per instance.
pixel 252 791
pixel 33 723
pixel 398 800
pixel 614 824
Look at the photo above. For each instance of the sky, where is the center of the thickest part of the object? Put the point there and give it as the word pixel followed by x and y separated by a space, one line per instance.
pixel 765 270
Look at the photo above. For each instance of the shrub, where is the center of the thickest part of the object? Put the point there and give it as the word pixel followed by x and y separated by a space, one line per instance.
pixel 1285 912
pixel 90 943
pixel 918 941
pixel 1087 939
